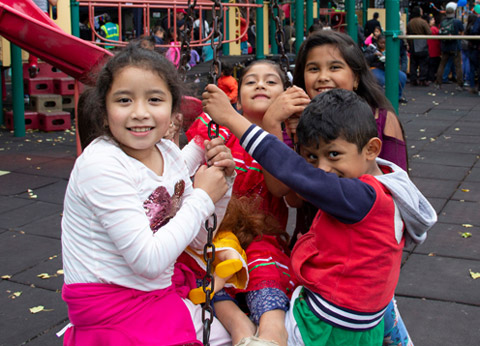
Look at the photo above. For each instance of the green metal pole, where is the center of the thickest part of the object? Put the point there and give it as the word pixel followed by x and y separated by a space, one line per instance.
pixel 309 5
pixel 273 33
pixel 351 21
pixel 226 18
pixel 2 120
pixel 364 12
pixel 393 48
pixel 75 15
pixel 259 29
pixel 17 92
pixel 299 23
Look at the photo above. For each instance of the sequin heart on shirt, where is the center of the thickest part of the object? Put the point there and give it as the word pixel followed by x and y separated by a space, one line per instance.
pixel 161 207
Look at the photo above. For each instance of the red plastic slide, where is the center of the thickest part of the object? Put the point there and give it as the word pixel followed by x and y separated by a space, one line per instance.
pixel 25 25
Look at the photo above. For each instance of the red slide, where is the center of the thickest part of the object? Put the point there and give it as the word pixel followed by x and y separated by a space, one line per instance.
pixel 25 25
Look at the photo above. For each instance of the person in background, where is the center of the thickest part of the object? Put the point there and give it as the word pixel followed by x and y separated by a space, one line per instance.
pixel 159 36
pixel 109 30
pixel 373 37
pixel 228 83
pixel 375 56
pixel 450 48
pixel 244 40
pixel 433 51
pixel 32 59
pixel 474 51
pixel 372 24
pixel 418 48
pixel 179 14
pixel 289 30
pixel 314 27
pixel 467 47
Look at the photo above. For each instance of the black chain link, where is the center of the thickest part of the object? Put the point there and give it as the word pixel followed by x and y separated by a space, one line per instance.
pixel 215 70
pixel 185 48
pixel 216 40
pixel 280 39
pixel 208 279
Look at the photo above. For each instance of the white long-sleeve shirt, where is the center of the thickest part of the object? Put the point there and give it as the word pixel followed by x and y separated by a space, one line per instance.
pixel 106 235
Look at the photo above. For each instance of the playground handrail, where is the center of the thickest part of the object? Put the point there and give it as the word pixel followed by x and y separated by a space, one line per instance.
pixel 169 5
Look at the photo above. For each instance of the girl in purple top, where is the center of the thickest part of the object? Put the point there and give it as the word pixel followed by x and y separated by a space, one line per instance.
pixel 330 60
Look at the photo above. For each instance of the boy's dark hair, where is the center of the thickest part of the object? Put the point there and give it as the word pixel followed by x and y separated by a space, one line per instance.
pixel 367 85
pixel 376 15
pixel 132 56
pixel 276 66
pixel 334 114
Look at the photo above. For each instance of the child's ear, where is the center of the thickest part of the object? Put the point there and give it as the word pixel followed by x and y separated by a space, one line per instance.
pixel 239 106
pixel 373 148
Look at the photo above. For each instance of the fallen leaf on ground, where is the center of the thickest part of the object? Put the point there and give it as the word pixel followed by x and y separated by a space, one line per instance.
pixel 44 276
pixel 474 275
pixel 465 190
pixel 15 295
pixel 5 277
pixel 467 225
pixel 466 234
pixel 60 272
pixel 38 308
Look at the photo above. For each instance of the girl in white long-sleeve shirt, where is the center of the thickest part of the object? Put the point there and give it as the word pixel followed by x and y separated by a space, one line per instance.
pixel 131 209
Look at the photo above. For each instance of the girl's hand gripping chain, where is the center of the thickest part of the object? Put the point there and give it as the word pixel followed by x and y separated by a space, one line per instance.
pixel 218 106
pixel 218 155
pixel 212 181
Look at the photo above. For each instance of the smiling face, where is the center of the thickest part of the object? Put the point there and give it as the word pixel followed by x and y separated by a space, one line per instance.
pixel 260 86
pixel 326 69
pixel 139 107
pixel 339 157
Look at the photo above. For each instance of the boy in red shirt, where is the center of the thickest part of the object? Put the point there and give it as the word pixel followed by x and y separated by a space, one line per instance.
pixel 349 261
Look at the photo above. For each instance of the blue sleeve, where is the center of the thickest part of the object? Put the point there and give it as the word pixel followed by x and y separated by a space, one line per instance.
pixel 349 200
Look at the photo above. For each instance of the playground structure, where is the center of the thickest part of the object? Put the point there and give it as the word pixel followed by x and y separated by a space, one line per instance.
pixel 28 28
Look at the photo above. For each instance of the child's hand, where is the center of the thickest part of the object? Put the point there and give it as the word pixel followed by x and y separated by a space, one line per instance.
pixel 218 155
pixel 212 181
pixel 291 102
pixel 292 124
pixel 173 131
pixel 217 104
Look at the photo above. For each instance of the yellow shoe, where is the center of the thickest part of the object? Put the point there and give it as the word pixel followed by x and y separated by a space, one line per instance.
pixel 228 267
pixel 197 296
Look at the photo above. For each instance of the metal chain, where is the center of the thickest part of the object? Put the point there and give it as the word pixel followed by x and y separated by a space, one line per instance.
pixel 185 48
pixel 215 70
pixel 280 39
pixel 216 41
pixel 208 279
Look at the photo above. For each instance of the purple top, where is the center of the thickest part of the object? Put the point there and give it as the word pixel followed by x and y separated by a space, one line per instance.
pixel 393 149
